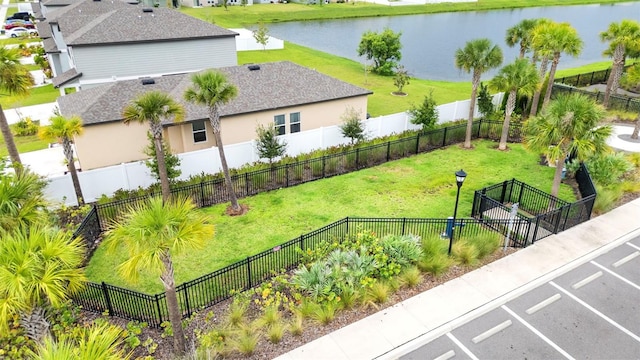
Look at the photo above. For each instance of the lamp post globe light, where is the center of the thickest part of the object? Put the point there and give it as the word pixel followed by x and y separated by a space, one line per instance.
pixel 460 176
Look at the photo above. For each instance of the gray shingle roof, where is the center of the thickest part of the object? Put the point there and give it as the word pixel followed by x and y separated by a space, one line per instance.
pixel 275 85
pixel 65 77
pixel 50 46
pixel 114 22
pixel 44 30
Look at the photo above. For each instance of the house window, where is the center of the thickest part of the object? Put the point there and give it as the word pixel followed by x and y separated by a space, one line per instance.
pixel 294 121
pixel 279 123
pixel 199 131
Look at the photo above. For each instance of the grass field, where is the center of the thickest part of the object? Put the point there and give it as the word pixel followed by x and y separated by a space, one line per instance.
pixel 37 95
pixel 419 186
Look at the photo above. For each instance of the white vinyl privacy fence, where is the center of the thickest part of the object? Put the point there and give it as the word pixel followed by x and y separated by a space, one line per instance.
pixel 127 176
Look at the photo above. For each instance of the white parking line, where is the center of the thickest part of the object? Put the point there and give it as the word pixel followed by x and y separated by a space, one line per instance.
pixel 626 259
pixel 605 317
pixel 446 356
pixel 489 333
pixel 461 346
pixel 617 275
pixel 586 280
pixel 538 333
pixel 550 300
pixel 633 246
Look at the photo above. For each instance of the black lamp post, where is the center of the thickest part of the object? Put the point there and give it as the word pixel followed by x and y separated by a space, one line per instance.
pixel 460 176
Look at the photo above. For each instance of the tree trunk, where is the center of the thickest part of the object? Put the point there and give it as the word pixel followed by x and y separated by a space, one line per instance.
pixel 472 107
pixel 225 169
pixel 35 324
pixel 544 63
pixel 618 60
pixel 162 169
pixel 636 129
pixel 14 155
pixel 557 176
pixel 511 104
pixel 71 165
pixel 175 315
pixel 552 74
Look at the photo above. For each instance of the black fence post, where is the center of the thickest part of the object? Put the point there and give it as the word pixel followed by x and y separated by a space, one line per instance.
pixel 357 158
pixel 246 183
pixel 286 170
pixel 404 223
pixel 479 126
pixel 186 299
pixel 591 80
pixel 388 150
pixel 105 291
pixel 504 191
pixel 444 137
pixel 417 143
pixel 324 163
pixel 201 194
pixel 474 209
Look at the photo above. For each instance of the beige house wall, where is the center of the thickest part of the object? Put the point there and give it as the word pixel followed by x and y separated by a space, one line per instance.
pixel 115 143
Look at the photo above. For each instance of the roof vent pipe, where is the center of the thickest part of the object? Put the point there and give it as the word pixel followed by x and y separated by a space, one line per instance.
pixel 148 81
pixel 254 67
pixel 147 10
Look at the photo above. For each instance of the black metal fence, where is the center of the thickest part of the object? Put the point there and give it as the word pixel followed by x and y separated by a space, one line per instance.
pixel 616 101
pixel 546 214
pixel 582 80
pixel 220 285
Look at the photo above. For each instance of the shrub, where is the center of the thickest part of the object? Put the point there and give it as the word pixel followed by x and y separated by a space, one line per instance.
pixel 411 277
pixel 464 252
pixel 275 332
pixel 403 250
pixel 324 313
pixel 606 198
pixel 378 293
pixel 237 311
pixel 296 327
pixel 247 340
pixel 485 244
pixel 348 297
pixel 270 316
pixel 25 127
pixel 435 264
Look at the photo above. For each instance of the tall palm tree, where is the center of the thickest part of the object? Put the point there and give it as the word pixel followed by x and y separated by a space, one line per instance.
pixel 211 89
pixel 569 125
pixel 39 267
pixel 15 79
pixel 555 38
pixel 21 199
pixel 63 130
pixel 154 107
pixel 543 56
pixel 153 232
pixel 476 57
pixel 620 36
pixel 520 34
pixel 517 78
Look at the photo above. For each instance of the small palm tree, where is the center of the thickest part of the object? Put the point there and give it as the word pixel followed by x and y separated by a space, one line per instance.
pixel 476 57
pixel 211 89
pixel 39 267
pixel 153 232
pixel 15 79
pixel 620 36
pixel 569 125
pixel 154 107
pixel 520 34
pixel 555 38
pixel 21 199
pixel 517 78
pixel 63 130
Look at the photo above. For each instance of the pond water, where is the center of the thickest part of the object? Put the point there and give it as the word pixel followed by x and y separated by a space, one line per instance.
pixel 429 41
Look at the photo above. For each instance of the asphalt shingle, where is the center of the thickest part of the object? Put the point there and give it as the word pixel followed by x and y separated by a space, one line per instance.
pixel 65 77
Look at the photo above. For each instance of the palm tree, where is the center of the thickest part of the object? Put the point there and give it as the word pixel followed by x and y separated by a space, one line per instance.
pixel 569 125
pixel 153 232
pixel 21 199
pixel 520 34
pixel 555 38
pixel 15 79
pixel 39 267
pixel 620 36
pixel 154 107
pixel 517 78
pixel 543 55
pixel 63 130
pixel 211 89
pixel 476 57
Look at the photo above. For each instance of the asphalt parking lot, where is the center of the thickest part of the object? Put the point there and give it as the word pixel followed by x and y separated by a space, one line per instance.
pixel 589 312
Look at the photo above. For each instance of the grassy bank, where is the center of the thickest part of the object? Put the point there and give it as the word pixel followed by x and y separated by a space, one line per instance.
pixel 419 186
pixel 239 16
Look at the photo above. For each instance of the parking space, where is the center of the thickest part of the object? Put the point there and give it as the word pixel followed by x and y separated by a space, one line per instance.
pixel 590 312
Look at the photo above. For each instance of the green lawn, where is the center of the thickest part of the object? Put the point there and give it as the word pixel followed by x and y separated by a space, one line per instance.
pixel 37 95
pixel 24 144
pixel 419 186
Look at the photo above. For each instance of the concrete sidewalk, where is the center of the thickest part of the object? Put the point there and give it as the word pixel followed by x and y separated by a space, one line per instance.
pixel 441 309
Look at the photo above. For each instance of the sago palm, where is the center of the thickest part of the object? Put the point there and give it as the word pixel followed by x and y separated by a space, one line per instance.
pixel 211 89
pixel 517 78
pixel 154 107
pixel 476 57
pixel 569 125
pixel 15 79
pixel 152 233
pixel 621 36
pixel 21 199
pixel 63 130
pixel 555 38
pixel 39 267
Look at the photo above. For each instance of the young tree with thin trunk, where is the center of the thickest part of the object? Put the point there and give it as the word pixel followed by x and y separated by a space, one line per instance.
pixel 569 125
pixel 268 144
pixel 555 38
pixel 621 36
pixel 517 78
pixel 155 107
pixel 476 57
pixel 15 79
pixel 211 89
pixel 63 130
pixel 153 233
